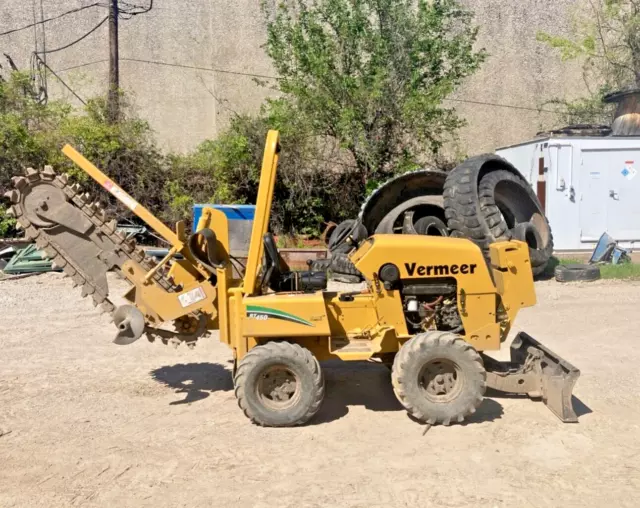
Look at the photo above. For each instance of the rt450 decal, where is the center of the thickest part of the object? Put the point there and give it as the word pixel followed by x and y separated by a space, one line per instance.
pixel 265 313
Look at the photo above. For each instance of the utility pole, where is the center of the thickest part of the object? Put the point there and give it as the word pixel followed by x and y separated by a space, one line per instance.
pixel 113 106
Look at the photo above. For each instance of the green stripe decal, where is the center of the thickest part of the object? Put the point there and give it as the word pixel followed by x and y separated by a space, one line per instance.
pixel 277 314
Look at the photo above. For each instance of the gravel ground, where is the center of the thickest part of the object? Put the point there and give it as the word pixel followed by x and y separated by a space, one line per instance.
pixel 86 423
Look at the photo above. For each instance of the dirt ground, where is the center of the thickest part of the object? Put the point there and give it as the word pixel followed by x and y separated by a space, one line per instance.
pixel 86 423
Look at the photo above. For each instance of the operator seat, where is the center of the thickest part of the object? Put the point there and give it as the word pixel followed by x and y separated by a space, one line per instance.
pixel 278 276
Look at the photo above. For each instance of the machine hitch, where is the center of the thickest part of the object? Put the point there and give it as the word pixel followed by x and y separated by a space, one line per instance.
pixel 538 372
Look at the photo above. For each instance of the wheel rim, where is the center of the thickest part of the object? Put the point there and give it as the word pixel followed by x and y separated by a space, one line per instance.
pixel 278 387
pixel 440 380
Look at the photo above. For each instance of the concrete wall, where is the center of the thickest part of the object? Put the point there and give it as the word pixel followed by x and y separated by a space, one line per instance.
pixel 190 103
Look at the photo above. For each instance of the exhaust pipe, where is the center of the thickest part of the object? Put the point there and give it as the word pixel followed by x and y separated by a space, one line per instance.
pixel 626 121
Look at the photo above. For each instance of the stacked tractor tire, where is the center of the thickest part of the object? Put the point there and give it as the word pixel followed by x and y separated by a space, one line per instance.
pixel 484 199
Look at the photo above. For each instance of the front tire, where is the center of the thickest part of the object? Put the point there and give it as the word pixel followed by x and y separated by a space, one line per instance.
pixel 439 378
pixel 279 384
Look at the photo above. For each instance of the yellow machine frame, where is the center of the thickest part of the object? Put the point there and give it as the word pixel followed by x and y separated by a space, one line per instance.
pixel 331 326
pixel 198 292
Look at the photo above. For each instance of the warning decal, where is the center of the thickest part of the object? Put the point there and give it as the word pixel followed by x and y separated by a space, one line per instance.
pixel 121 195
pixel 629 171
pixel 190 297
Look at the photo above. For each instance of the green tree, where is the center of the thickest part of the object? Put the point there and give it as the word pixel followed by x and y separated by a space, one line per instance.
pixel 372 74
pixel 605 35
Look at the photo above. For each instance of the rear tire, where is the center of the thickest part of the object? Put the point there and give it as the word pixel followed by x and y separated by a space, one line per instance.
pixel 439 378
pixel 279 385
pixel 476 209
pixel 518 210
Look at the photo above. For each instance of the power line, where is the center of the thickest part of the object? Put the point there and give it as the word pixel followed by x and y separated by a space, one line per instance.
pixel 36 23
pixel 60 79
pixel 509 106
pixel 193 67
pixel 77 40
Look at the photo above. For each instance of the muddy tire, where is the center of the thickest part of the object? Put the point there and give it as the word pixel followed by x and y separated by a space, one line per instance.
pixel 574 273
pixel 342 269
pixel 320 265
pixel 279 385
pixel 439 378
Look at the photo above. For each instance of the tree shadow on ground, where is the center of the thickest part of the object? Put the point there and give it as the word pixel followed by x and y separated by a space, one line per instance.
pixel 369 385
pixel 196 380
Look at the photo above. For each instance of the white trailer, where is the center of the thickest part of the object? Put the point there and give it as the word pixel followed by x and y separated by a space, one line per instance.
pixel 587 186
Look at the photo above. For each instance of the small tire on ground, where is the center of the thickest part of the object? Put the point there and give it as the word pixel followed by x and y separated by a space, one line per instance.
pixel 573 273
pixel 435 362
pixel 260 397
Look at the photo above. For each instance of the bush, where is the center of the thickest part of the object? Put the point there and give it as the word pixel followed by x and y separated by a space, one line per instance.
pixel 32 134
pixel 309 189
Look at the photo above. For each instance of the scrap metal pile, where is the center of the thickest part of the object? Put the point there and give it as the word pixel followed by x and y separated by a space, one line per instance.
pixel 484 199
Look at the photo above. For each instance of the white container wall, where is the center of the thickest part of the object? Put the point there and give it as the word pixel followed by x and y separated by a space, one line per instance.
pixel 587 185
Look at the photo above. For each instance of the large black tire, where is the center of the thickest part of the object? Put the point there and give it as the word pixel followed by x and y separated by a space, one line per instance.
pixel 573 273
pixel 346 236
pixel 422 206
pixel 475 213
pixel 265 378
pixel 511 208
pixel 431 226
pixel 439 378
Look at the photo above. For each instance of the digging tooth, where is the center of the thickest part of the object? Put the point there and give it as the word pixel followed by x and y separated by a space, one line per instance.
pixel 112 224
pixel 129 245
pixel 119 237
pixel 19 227
pixel 87 289
pixel 48 173
pixel 29 233
pixel 138 255
pixel 77 280
pixel 11 212
pixel 51 253
pixel 76 188
pixel 86 197
pixel 12 195
pixel 60 261
pixel 107 307
pixel 63 178
pixel 32 174
pixel 102 215
pixel 41 243
pixel 19 182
